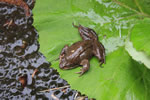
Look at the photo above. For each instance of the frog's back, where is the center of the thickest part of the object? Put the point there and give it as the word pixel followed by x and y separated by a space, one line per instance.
pixel 80 50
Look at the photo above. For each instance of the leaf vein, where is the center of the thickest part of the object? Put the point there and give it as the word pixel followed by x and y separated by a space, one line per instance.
pixel 138 5
pixel 125 6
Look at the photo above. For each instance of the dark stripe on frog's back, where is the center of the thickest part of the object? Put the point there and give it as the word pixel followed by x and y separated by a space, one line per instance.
pixel 72 55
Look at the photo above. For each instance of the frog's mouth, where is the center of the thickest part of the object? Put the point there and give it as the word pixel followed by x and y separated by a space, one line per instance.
pixel 67 68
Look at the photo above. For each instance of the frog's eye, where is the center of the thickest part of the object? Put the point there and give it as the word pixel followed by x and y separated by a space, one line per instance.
pixel 62 55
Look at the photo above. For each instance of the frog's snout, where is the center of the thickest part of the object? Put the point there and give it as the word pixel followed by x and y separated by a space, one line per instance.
pixel 62 64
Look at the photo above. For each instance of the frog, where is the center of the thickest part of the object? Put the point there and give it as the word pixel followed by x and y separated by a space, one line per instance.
pixel 80 53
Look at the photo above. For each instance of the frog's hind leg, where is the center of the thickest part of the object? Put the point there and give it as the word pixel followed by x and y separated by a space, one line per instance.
pixel 86 65
pixel 99 51
pixel 86 33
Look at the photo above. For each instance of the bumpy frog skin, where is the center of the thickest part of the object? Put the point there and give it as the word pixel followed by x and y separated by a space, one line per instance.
pixel 79 53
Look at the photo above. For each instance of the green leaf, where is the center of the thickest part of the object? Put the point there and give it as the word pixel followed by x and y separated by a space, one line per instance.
pixel 122 78
pixel 144 5
pixel 139 56
pixel 140 35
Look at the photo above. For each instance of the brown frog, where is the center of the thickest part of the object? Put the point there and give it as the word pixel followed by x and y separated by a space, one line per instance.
pixel 81 52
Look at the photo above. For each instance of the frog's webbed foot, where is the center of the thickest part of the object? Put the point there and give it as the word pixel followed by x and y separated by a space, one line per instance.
pixel 75 25
pixel 86 66
pixel 99 52
pixel 102 62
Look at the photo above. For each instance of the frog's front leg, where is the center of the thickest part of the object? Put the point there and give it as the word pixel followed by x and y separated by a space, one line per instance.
pixel 86 65
pixel 99 51
pixel 86 33
pixel 63 51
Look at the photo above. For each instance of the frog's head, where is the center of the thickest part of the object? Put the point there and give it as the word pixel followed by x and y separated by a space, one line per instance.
pixel 64 64
pixel 86 33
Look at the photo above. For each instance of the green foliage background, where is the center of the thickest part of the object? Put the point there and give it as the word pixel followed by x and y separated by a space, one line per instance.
pixel 122 26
